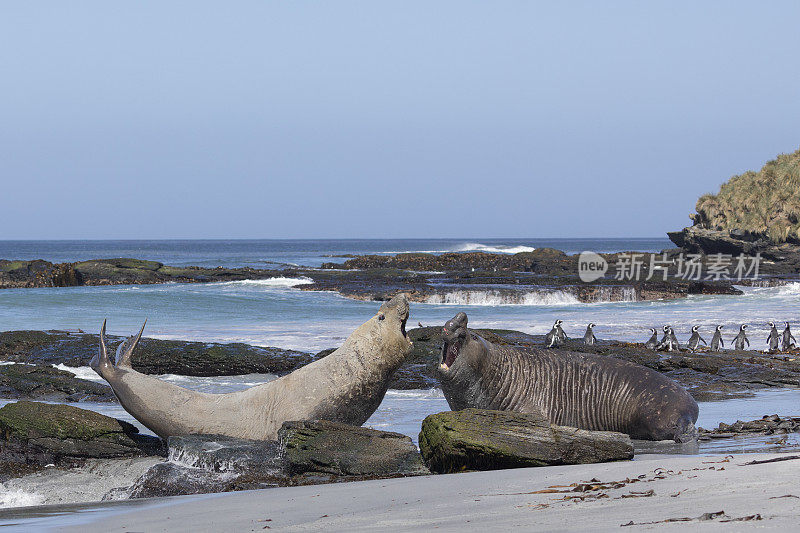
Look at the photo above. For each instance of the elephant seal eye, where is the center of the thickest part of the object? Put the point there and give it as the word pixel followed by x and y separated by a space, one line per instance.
pixel 381 317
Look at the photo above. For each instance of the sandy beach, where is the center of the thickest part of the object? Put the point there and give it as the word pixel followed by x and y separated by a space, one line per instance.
pixel 655 493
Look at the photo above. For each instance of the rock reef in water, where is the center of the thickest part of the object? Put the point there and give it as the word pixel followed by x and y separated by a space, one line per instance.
pixel 503 278
pixel 43 382
pixel 154 356
pixel 478 439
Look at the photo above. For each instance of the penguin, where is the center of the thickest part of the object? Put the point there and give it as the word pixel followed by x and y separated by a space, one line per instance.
pixel 588 338
pixel 774 337
pixel 653 342
pixel 553 337
pixel 673 339
pixel 716 340
pixel 696 339
pixel 562 336
pixel 668 342
pixel 664 340
pixel 787 338
pixel 741 338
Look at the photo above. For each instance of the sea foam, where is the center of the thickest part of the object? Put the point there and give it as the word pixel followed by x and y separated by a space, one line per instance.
pixel 279 282
pixel 13 497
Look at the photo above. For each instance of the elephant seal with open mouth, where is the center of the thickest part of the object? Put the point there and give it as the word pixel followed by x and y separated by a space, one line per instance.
pixel 346 386
pixel 571 389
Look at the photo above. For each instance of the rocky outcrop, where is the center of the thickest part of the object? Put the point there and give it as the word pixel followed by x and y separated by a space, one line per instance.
pixel 120 271
pixel 476 439
pixel 41 434
pixel 307 453
pixel 330 450
pixel 781 260
pixel 154 356
pixel 42 382
pixel 757 205
pixel 766 425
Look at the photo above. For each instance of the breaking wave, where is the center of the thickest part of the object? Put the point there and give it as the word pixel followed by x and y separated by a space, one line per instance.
pixel 279 282
pixel 495 297
pixel 81 372
pixel 497 249
pixel 471 247
pixel 13 497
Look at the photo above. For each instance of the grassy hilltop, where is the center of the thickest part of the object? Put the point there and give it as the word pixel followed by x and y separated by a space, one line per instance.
pixel 764 203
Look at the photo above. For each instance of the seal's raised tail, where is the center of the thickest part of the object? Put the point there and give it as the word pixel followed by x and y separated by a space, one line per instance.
pixel 101 362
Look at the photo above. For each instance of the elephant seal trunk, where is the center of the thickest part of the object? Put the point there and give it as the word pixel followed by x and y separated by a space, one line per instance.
pixel 572 389
pixel 346 386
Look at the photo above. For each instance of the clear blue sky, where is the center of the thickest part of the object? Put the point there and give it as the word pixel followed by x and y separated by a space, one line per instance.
pixel 385 119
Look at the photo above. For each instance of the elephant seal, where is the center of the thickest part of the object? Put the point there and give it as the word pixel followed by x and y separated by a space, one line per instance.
pixel 571 389
pixel 346 386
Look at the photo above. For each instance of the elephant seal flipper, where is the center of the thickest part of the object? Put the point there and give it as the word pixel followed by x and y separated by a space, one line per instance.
pixel 346 386
pixel 572 389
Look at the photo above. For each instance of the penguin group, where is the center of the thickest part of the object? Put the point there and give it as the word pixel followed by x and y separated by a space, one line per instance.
pixel 776 341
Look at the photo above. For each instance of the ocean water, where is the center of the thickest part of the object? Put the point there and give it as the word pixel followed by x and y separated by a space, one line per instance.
pixel 305 252
pixel 278 313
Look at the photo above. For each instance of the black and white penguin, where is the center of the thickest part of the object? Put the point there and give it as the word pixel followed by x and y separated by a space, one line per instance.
pixel 588 338
pixel 716 340
pixel 673 339
pixel 696 339
pixel 553 337
pixel 668 342
pixel 562 336
pixel 787 339
pixel 653 342
pixel 774 338
pixel 741 338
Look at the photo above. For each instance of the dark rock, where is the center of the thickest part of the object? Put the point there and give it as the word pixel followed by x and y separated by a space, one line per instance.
pixel 41 382
pixel 217 453
pixel 783 258
pixel 766 425
pixel 476 439
pixel 307 453
pixel 199 464
pixel 40 433
pixel 332 451
pixel 172 479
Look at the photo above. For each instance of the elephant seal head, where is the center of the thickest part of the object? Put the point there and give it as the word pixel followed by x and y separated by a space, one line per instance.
pixel 462 362
pixel 455 337
pixel 389 325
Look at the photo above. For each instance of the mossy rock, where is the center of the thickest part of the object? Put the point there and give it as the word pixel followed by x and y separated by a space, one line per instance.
pixel 477 439
pixel 41 433
pixel 8 266
pixel 322 447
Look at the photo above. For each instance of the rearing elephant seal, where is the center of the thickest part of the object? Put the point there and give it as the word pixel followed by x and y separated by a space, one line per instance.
pixel 346 386
pixel 571 389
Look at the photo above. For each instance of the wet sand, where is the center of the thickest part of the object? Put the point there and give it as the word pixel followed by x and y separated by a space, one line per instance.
pixel 656 492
